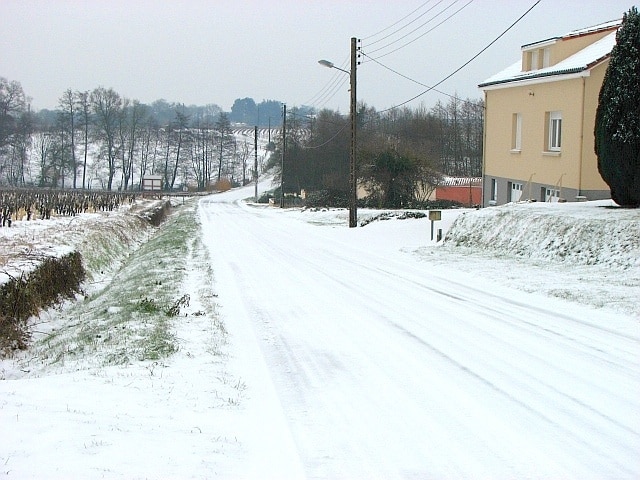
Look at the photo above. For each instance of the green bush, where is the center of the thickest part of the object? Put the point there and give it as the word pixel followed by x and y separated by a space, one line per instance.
pixel 24 296
pixel 327 198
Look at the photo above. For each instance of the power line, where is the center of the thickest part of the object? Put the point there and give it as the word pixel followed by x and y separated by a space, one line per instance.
pixel 394 24
pixel 412 79
pixel 327 93
pixel 405 26
pixel 291 113
pixel 328 141
pixel 422 34
pixel 321 102
pixel 467 62
pixel 333 86
pixel 323 91
pixel 330 89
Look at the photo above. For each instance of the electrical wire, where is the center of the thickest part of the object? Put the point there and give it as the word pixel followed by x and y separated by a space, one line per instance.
pixel 335 78
pixel 405 26
pixel 321 102
pixel 394 24
pixel 414 80
pixel 422 34
pixel 327 141
pixel 331 88
pixel 467 62
pixel 310 117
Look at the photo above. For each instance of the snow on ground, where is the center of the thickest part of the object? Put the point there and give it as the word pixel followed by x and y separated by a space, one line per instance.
pixel 310 350
pixel 24 244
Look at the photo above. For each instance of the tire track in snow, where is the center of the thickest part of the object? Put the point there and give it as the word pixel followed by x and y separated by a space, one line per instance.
pixel 498 384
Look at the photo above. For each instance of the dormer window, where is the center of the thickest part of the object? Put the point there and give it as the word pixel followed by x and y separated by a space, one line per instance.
pixel 538 58
pixel 546 57
pixel 534 60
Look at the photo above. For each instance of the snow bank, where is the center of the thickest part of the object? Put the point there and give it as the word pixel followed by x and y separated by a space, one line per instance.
pixel 578 233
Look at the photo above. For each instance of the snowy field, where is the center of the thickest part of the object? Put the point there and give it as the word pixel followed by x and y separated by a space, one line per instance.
pixel 310 350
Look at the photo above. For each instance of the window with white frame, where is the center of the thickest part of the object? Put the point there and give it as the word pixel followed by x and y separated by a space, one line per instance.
pixel 554 125
pixel 534 58
pixel 546 58
pixel 516 132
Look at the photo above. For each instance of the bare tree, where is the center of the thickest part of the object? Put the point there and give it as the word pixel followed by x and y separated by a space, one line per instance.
pixel 68 115
pixel 130 124
pixel 84 117
pixel 181 123
pixel 42 148
pixel 224 136
pixel 460 134
pixel 17 156
pixel 106 105
pixel 201 152
pixel 12 130
pixel 150 137
pixel 12 104
pixel 243 157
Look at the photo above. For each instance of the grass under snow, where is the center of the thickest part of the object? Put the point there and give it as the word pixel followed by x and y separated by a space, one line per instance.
pixel 131 317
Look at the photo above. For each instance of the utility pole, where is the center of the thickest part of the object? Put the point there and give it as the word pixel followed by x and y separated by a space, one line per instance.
pixel 284 149
pixel 353 180
pixel 255 161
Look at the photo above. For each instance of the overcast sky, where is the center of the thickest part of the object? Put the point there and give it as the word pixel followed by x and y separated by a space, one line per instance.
pixel 214 51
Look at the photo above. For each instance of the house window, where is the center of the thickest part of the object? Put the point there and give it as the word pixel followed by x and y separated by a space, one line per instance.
pixel 494 190
pixel 516 132
pixel 546 58
pixel 538 58
pixel 554 131
pixel 533 60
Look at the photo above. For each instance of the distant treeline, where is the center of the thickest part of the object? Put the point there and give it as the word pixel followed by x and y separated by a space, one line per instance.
pixel 101 140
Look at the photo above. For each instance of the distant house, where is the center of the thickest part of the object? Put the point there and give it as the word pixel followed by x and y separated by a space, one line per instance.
pixel 539 120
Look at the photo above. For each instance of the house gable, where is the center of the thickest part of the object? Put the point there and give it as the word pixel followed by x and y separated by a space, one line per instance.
pixel 571 54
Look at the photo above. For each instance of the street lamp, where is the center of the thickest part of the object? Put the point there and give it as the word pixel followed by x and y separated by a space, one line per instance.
pixel 353 181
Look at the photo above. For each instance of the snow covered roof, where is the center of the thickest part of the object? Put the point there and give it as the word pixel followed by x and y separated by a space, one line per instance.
pixel 595 28
pixel 579 62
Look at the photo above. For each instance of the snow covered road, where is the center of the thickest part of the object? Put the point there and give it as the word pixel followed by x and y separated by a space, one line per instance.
pixel 371 364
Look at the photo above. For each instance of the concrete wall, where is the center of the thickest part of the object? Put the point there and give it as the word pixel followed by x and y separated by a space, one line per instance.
pixel 535 191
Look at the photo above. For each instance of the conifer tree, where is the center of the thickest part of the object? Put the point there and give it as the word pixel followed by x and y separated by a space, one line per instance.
pixel 617 126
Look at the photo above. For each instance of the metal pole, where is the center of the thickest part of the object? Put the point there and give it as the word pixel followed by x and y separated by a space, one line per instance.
pixel 353 180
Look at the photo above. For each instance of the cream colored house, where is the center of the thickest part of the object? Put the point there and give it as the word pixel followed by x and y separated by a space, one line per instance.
pixel 539 120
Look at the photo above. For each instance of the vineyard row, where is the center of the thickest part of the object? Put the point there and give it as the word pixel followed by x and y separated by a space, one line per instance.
pixel 29 204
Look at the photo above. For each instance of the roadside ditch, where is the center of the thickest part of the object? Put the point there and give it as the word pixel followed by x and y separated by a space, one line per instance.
pixel 65 277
